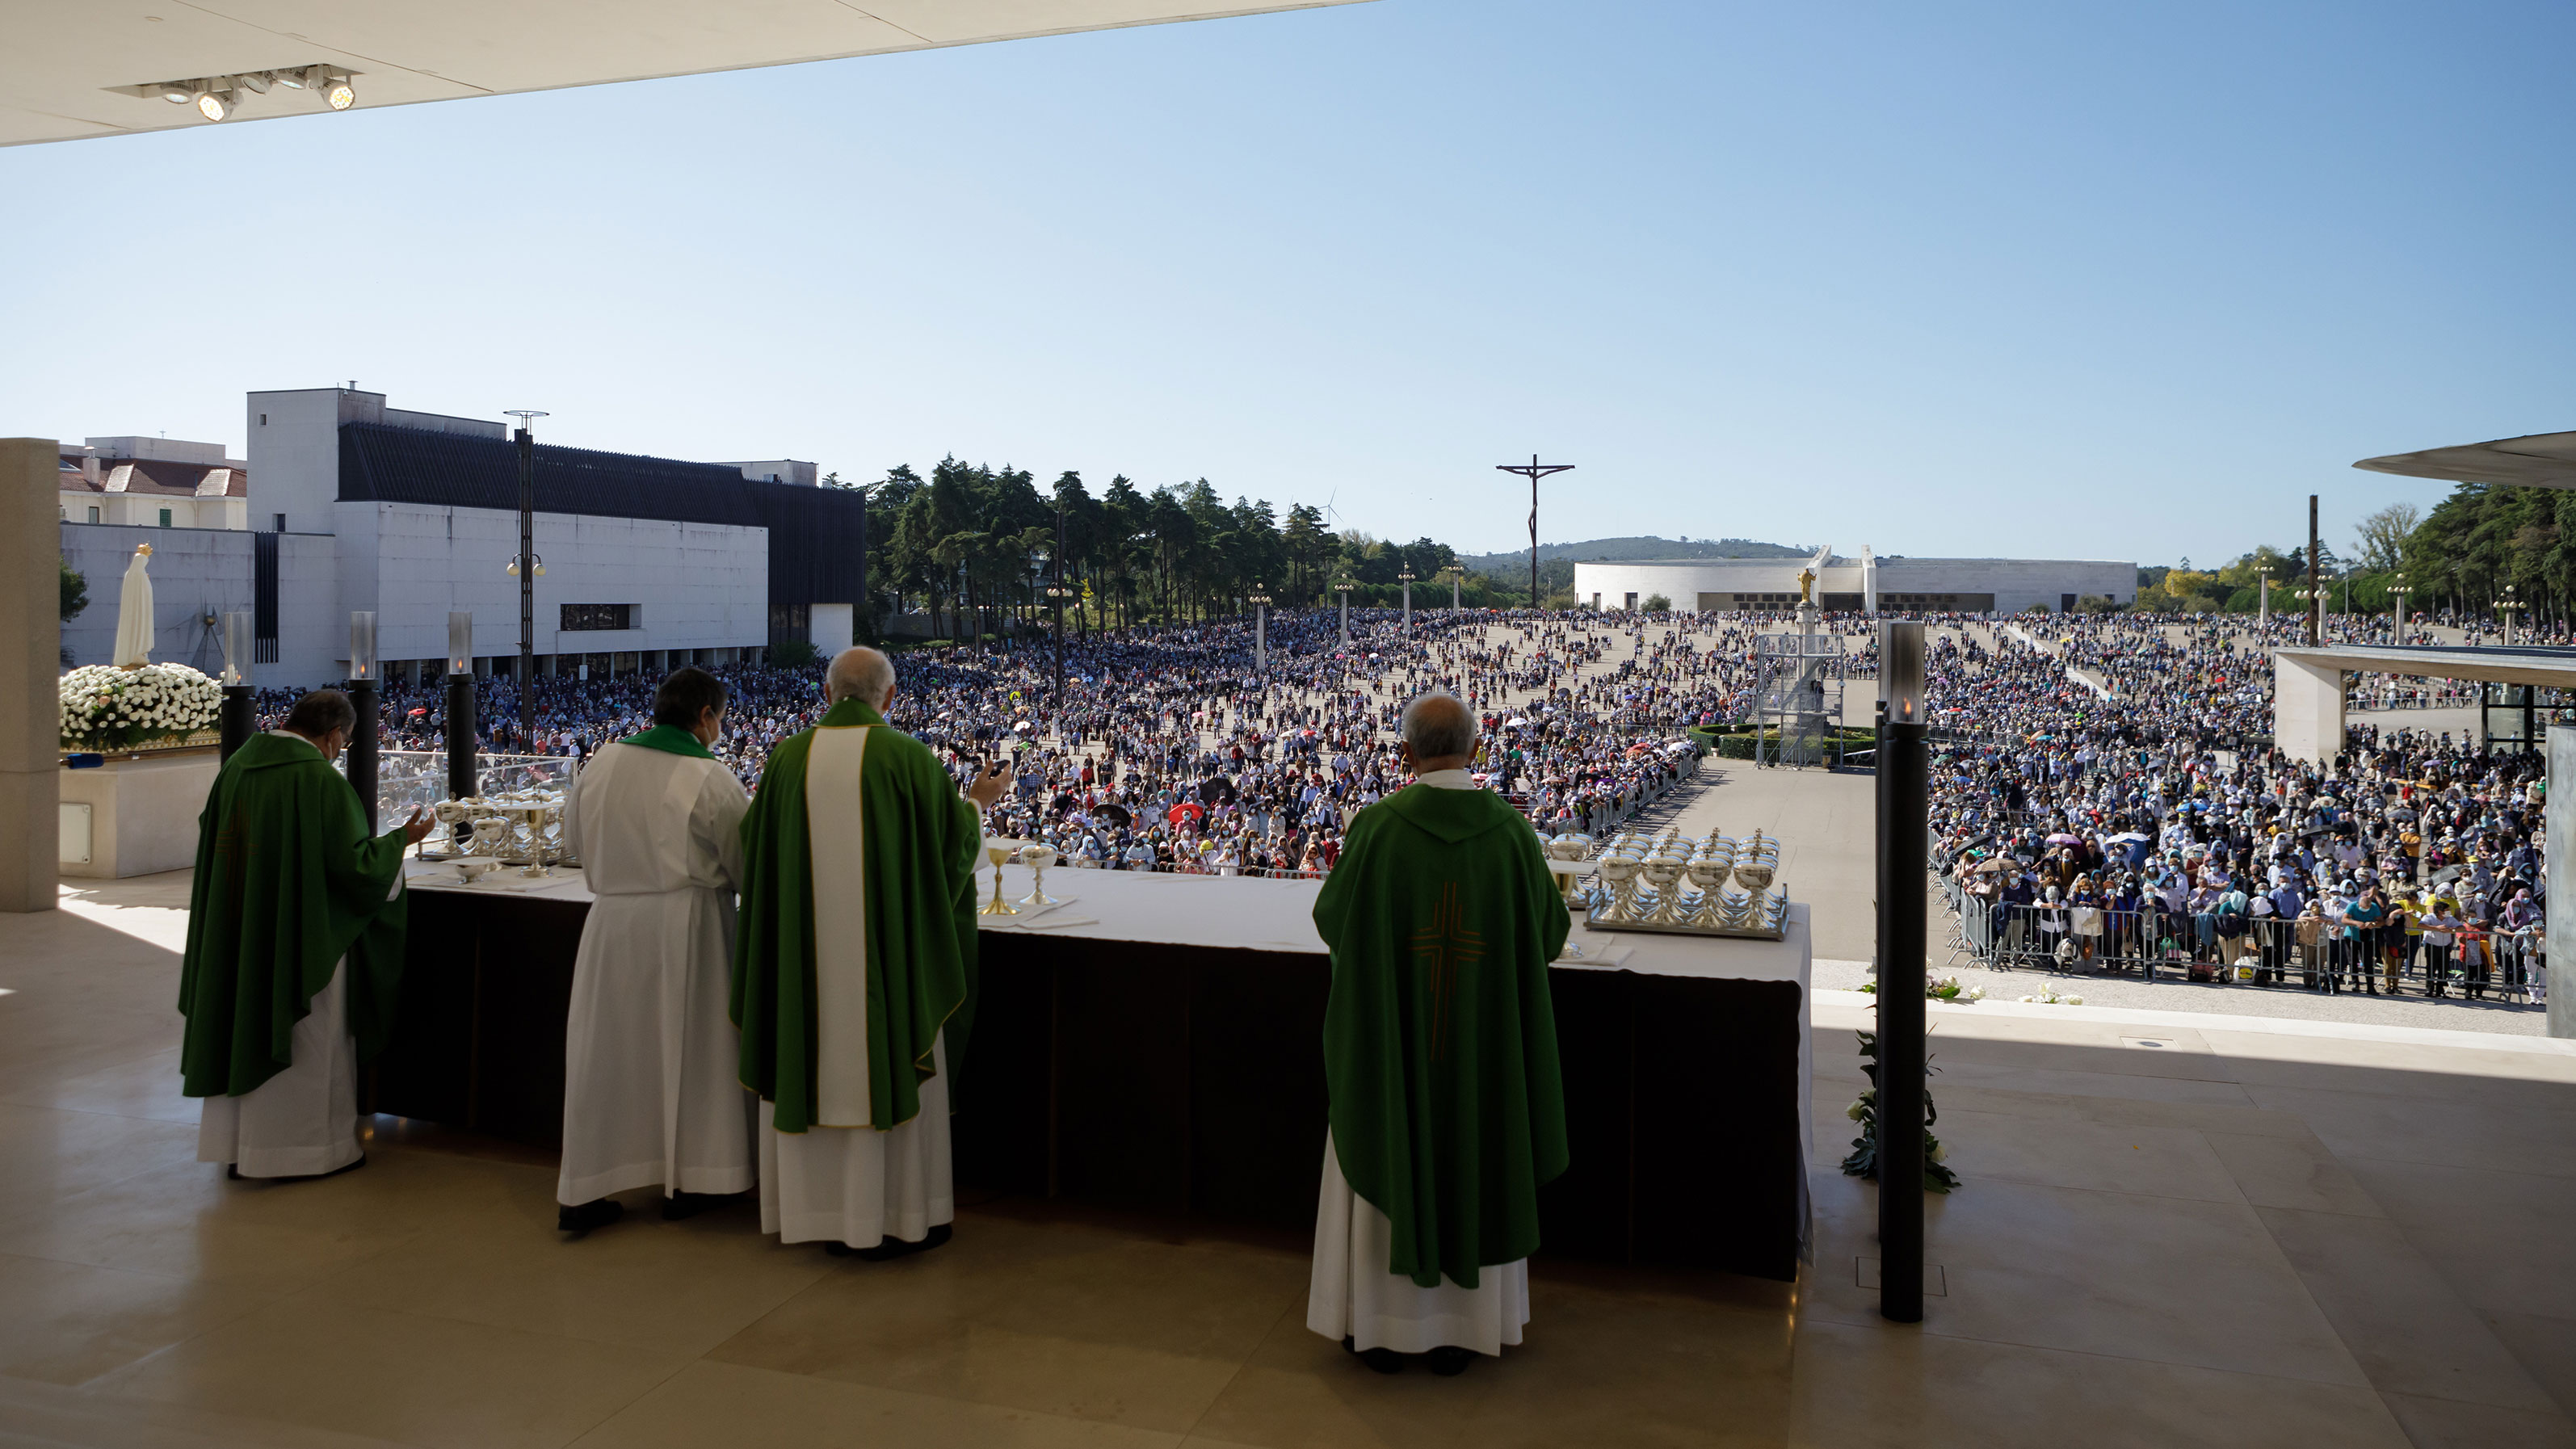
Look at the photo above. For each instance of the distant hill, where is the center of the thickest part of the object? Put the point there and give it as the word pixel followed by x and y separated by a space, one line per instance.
pixel 1616 549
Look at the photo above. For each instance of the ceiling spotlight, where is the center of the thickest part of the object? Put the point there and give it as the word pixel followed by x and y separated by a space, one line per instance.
pixel 341 95
pixel 295 80
pixel 213 105
pixel 177 94
pixel 256 82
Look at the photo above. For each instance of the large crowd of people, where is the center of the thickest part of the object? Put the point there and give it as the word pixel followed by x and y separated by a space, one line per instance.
pixel 1200 748
pixel 2105 800
pixel 2105 797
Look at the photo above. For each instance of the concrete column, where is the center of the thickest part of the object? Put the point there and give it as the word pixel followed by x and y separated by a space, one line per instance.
pixel 2307 709
pixel 30 665
pixel 2559 843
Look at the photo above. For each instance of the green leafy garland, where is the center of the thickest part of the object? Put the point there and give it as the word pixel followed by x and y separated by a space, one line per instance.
pixel 1864 1159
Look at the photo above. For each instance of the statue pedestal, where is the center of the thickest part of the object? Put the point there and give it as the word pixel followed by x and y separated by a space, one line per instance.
pixel 135 816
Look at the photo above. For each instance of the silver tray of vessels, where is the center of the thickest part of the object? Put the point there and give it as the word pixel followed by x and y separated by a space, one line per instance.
pixel 1665 882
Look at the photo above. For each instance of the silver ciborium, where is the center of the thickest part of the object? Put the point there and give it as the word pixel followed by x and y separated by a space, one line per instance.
pixel 1037 856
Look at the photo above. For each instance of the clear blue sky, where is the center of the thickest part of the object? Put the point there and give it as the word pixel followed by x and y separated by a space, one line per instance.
pixel 2022 279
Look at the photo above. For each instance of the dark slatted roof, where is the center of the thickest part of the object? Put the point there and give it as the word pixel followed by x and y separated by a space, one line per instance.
pixel 813 532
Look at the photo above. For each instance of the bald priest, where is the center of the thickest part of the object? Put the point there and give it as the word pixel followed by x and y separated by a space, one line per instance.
pixel 295 946
pixel 1447 1107
pixel 854 971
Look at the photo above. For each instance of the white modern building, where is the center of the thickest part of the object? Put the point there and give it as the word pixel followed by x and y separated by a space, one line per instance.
pixel 643 563
pixel 1863 585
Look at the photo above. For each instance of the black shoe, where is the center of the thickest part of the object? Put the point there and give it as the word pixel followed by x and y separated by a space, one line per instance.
pixel 1384 1360
pixel 231 1173
pixel 889 1249
pixel 682 1205
pixel 595 1214
pixel 1449 1360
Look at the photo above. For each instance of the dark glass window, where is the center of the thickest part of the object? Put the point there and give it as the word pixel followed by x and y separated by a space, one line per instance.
pixel 598 616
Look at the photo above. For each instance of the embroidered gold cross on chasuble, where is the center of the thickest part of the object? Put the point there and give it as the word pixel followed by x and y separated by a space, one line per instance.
pixel 1440 949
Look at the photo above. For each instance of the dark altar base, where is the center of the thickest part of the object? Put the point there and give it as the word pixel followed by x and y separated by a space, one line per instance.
pixel 1189 1080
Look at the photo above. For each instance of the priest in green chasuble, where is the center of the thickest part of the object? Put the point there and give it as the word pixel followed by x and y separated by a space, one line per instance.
pixel 295 946
pixel 854 971
pixel 1447 1109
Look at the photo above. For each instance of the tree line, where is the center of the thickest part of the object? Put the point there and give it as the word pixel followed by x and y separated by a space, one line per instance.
pixel 972 546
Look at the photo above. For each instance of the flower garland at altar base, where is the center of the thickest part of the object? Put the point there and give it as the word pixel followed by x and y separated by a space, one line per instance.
pixel 111 710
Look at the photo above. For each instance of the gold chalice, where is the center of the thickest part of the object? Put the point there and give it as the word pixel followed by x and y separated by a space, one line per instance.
pixel 999 852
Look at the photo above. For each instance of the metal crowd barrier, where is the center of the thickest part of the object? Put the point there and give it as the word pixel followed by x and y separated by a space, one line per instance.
pixel 2154 943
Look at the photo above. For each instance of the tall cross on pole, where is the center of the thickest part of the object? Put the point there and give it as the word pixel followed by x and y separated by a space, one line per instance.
pixel 1533 470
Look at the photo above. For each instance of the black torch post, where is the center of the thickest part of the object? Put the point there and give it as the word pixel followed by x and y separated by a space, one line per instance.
pixel 238 716
pixel 1904 818
pixel 364 736
pixel 461 772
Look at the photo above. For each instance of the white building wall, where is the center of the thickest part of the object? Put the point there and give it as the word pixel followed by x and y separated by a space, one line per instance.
pixel 2017 584
pixel 295 452
pixel 207 571
pixel 693 585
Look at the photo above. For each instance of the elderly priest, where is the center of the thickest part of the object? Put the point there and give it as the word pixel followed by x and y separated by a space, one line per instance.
pixel 1440 1058
pixel 651 1090
pixel 295 946
pixel 854 971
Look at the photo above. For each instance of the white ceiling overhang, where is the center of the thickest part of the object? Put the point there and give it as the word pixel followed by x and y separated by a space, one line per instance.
pixel 2542 460
pixel 71 70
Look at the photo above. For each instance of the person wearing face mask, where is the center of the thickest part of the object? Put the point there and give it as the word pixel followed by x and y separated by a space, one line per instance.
pixel 651 1095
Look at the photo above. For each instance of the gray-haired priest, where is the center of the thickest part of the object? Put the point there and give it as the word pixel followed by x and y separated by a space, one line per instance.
pixel 1440 1059
pixel 854 974
pixel 295 949
pixel 652 1096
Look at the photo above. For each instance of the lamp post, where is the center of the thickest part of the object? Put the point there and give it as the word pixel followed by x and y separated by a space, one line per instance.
pixel 1345 585
pixel 461 774
pixel 1903 820
pixel 1057 593
pixel 2508 606
pixel 1405 577
pixel 1260 602
pixel 364 738
pixel 2397 593
pixel 527 566
pixel 238 714
pixel 1456 574
pixel 1534 470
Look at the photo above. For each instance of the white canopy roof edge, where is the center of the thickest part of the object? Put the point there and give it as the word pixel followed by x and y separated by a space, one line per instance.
pixel 2542 460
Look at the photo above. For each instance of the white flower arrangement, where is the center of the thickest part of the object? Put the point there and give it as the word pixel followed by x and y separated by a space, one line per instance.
pixel 2048 997
pixel 105 708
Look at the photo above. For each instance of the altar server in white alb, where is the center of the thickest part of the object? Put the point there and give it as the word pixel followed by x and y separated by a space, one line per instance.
pixel 854 974
pixel 652 1096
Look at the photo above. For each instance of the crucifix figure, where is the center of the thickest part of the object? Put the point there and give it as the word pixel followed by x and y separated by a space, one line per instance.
pixel 1442 947
pixel 1806 586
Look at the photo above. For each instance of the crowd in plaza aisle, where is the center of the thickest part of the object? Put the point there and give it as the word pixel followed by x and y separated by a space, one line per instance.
pixel 1181 748
pixel 2106 800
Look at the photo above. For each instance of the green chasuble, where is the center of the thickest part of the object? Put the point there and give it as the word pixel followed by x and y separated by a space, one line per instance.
pixel 1439 1038
pixel 917 841
pixel 288 882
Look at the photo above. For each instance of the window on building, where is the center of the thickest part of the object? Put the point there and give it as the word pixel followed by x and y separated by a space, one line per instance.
pixel 165 518
pixel 93 513
pixel 281 523
pixel 598 616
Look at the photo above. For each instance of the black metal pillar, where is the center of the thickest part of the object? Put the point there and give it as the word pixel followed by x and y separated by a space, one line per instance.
pixel 238 718
pixel 527 587
pixel 865 609
pixel 2317 601
pixel 365 739
pixel 461 772
pixel 1903 819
